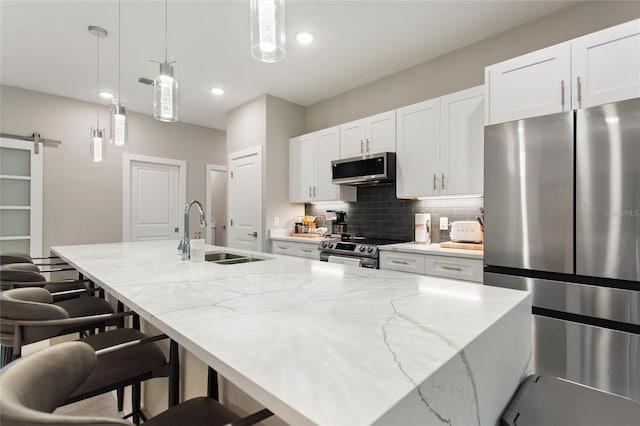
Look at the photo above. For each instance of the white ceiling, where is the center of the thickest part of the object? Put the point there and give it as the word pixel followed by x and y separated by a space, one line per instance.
pixel 45 46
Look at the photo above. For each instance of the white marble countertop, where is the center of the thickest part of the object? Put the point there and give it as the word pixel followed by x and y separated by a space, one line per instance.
pixel 307 240
pixel 433 249
pixel 329 344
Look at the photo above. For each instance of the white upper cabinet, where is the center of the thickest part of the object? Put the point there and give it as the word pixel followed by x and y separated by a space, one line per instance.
pixel 369 135
pixel 440 146
pixel 591 70
pixel 310 159
pixel 606 65
pixel 462 142
pixel 418 149
pixel 530 85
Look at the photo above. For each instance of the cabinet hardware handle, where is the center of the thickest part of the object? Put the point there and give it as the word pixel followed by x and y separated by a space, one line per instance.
pixel 435 182
pixel 399 262
pixel 306 250
pixel 562 93
pixel 579 92
pixel 309 191
pixel 253 234
pixel 451 268
pixel 443 185
pixel 314 191
pixel 283 248
pixel 361 146
pixel 368 145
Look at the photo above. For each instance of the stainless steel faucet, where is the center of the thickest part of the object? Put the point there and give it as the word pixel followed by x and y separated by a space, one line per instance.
pixel 184 247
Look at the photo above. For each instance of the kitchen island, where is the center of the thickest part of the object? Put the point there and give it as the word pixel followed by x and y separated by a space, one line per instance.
pixel 328 344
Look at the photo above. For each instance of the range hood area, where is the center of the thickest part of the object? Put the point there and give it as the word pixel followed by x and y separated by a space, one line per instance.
pixel 368 170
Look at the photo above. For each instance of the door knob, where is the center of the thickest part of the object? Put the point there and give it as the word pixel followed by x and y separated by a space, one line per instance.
pixel 253 234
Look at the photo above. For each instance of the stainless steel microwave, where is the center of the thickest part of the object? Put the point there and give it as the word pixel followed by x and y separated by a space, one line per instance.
pixel 372 169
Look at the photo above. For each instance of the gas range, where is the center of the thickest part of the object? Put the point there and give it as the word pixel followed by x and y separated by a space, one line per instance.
pixel 349 249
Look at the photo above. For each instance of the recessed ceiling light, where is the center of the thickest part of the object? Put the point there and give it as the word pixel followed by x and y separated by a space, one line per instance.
pixel 304 37
pixel 106 95
pixel 217 91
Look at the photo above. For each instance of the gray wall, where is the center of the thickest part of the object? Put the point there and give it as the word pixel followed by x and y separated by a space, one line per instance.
pixel 269 122
pixel 464 67
pixel 82 199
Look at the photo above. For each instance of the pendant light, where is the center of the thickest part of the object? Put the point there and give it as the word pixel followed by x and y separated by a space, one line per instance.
pixel 165 90
pixel 97 134
pixel 118 111
pixel 267 30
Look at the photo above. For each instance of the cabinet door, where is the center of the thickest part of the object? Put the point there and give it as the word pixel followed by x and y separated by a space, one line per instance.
pixel 380 133
pixel 530 85
pixel 462 142
pixel 327 149
pixel 352 136
pixel 417 167
pixel 301 168
pixel 606 65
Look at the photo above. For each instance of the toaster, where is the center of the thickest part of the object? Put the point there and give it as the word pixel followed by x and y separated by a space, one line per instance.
pixel 468 231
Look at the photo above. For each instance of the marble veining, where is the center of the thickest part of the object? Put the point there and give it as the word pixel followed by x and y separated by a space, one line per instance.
pixel 321 343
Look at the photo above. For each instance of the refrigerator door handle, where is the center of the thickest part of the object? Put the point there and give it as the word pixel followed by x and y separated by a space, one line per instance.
pixel 562 94
pixel 579 90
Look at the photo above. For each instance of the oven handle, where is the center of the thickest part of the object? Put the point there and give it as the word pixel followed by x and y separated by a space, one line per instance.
pixel 344 260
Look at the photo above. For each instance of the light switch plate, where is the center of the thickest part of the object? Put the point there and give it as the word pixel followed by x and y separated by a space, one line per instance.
pixel 444 223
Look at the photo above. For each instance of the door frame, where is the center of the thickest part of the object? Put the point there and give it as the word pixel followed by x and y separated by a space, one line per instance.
pixel 36 200
pixel 127 159
pixel 208 169
pixel 256 150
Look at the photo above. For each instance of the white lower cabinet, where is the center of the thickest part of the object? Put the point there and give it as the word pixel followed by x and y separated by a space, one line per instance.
pixel 405 262
pixel 440 266
pixel 290 248
pixel 454 267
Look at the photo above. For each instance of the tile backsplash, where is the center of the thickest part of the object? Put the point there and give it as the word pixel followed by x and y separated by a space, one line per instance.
pixel 379 214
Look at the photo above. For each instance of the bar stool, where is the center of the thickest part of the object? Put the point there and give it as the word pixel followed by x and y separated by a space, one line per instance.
pixel 17 275
pixel 35 386
pixel 35 305
pixel 27 315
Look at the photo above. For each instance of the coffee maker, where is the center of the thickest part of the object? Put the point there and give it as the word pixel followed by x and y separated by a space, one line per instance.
pixel 338 220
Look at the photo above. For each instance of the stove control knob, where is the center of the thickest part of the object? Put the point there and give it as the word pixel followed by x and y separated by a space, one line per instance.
pixel 330 245
pixel 362 248
pixel 324 244
pixel 370 249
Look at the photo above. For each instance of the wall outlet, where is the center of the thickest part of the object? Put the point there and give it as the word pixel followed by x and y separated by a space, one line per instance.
pixel 444 223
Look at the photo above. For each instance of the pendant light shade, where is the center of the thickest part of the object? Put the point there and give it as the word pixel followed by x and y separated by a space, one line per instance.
pixel 97 138
pixel 165 94
pixel 97 134
pixel 118 128
pixel 118 124
pixel 165 86
pixel 267 30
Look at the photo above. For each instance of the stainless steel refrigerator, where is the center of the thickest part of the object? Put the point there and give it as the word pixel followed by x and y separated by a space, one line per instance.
pixel 562 219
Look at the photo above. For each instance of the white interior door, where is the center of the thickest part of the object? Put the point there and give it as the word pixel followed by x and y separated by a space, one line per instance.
pixel 154 195
pixel 20 197
pixel 245 199
pixel 154 201
pixel 217 205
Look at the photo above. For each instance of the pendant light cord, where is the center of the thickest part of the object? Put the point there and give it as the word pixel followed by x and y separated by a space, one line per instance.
pixel 119 98
pixel 98 79
pixel 166 29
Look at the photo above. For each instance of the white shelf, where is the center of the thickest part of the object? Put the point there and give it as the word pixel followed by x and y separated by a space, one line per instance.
pixel 15 177
pixel 15 238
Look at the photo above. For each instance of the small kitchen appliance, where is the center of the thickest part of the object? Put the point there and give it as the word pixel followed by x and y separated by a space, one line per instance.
pixel 422 226
pixel 338 219
pixel 466 231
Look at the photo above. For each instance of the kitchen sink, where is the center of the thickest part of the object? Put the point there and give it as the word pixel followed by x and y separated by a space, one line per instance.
pixel 215 257
pixel 224 258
